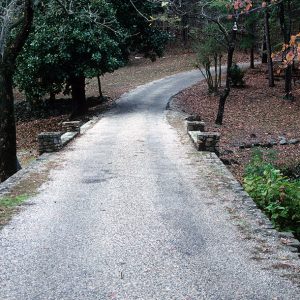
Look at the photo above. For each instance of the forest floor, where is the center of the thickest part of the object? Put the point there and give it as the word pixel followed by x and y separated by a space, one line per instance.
pixel 255 114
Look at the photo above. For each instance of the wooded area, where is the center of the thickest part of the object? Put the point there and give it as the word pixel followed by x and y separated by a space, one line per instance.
pixel 61 44
pixel 51 47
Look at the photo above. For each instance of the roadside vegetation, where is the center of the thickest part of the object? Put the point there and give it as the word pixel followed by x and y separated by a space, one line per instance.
pixel 8 205
pixel 276 194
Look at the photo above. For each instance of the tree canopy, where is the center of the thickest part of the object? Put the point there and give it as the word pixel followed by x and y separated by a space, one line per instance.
pixel 66 42
pixel 87 39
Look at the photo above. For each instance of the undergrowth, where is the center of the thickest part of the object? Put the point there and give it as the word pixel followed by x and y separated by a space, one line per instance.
pixel 277 195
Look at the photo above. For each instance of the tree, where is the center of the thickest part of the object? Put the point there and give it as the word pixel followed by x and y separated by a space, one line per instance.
pixel 250 36
pixel 289 55
pixel 229 32
pixel 268 44
pixel 286 28
pixel 85 42
pixel 16 19
pixel 210 47
pixel 136 18
pixel 89 39
pixel 236 10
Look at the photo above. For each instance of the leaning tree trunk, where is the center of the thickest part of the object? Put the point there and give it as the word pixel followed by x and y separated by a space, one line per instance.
pixel 8 153
pixel 269 50
pixel 8 157
pixel 78 96
pixel 225 94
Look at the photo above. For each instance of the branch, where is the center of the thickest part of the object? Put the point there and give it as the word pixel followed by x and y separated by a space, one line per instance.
pixel 20 40
pixel 216 21
pixel 138 11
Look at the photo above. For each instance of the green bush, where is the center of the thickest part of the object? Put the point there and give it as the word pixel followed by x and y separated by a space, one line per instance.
pixel 276 194
pixel 237 76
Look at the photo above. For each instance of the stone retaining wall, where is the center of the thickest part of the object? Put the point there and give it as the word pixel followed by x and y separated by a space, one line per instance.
pixel 208 141
pixel 204 141
pixel 71 126
pixel 49 142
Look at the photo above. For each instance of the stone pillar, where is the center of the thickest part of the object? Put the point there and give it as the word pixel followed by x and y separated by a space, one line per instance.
pixel 208 141
pixel 195 126
pixel 49 142
pixel 71 126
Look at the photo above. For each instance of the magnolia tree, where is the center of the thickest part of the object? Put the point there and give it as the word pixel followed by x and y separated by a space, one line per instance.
pixel 88 39
pixel 15 22
pixel 85 39
pixel 69 41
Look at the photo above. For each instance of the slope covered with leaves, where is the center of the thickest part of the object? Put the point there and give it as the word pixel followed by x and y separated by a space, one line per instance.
pixel 254 114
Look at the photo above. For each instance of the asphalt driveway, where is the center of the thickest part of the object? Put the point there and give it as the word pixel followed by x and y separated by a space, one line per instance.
pixel 127 215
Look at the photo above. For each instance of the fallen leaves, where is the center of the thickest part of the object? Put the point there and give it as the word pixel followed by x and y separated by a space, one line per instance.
pixel 255 113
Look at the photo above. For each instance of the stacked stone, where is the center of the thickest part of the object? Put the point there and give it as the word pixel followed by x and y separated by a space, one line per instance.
pixel 209 141
pixel 49 142
pixel 195 126
pixel 71 126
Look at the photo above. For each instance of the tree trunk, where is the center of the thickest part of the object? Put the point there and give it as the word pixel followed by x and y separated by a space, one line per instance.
pixel 264 56
pixel 269 50
pixel 52 97
pixel 225 94
pixel 220 71
pixel 252 58
pixel 100 87
pixel 184 24
pixel 216 85
pixel 78 96
pixel 286 32
pixel 8 152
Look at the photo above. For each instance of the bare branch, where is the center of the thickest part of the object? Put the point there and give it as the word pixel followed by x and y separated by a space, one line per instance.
pixel 139 12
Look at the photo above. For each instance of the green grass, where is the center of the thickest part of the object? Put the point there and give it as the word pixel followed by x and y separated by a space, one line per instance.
pixel 12 201
pixel 8 207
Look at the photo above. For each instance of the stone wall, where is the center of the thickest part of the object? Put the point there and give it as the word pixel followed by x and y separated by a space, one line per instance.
pixel 71 126
pixel 195 126
pixel 49 142
pixel 204 141
pixel 208 141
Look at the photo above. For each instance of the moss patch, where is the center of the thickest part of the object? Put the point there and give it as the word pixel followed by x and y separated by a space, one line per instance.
pixel 8 205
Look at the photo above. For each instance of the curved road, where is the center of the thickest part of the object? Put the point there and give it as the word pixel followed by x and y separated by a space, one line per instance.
pixel 126 216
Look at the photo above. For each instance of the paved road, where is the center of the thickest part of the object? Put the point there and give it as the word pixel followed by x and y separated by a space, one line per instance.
pixel 126 216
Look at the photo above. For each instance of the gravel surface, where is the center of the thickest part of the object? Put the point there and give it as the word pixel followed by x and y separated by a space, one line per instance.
pixel 128 215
